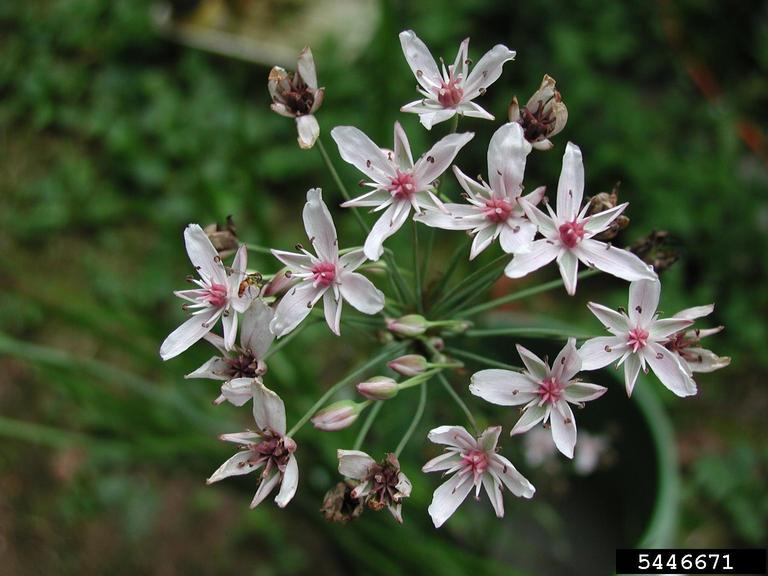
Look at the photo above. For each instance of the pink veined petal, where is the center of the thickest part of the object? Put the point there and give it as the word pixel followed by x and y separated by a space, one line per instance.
pixel 503 387
pixel 536 367
pixel 237 465
pixel 354 464
pixel 213 369
pixel 388 223
pixel 255 334
pixel 187 334
pixel 460 64
pixel 563 428
pixel 569 270
pixel 265 488
pixel 662 329
pixel 568 362
pixel 493 489
pixel 360 151
pixel 308 131
pixel 237 392
pixel 289 483
pixel 268 409
pixel 486 71
pixel 643 301
pixel 294 307
pixel 631 371
pixel 352 260
pixel 469 185
pixel 472 110
pixel 448 497
pixel 536 196
pixel 696 312
pixel 510 477
pixel 403 155
pixel 229 323
pixel 507 153
pixel 598 222
pixel 436 161
pixel 332 311
pixel 376 198
pixel 546 225
pixel 578 392
pixel 483 238
pixel 429 115
pixel 319 226
pixel 445 461
pixel 532 415
pixel 456 436
pixel 361 293
pixel 459 217
pixel 705 360
pixel 517 235
pixel 403 485
pixel 669 370
pixel 616 322
pixel 489 439
pixel 614 261
pixel 296 262
pixel 570 187
pixel 599 352
pixel 203 255
pixel 542 252
pixel 306 68
pixel 242 438
pixel 420 60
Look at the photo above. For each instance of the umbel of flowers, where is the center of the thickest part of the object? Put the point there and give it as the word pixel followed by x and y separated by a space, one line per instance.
pixel 425 314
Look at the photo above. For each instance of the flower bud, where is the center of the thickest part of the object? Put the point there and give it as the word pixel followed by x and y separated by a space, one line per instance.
pixel 544 115
pixel 409 325
pixel 409 365
pixel 338 415
pixel 378 388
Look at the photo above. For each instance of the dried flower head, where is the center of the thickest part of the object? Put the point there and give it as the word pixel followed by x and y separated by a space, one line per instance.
pixel 544 115
pixel 656 249
pixel 606 201
pixel 382 485
pixel 223 237
pixel 339 506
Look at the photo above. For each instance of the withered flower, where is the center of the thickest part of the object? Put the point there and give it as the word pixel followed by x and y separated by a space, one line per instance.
pixel 297 96
pixel 223 237
pixel 656 249
pixel 544 115
pixel 605 201
pixel 339 505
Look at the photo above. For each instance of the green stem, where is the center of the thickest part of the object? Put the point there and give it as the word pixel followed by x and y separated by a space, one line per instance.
pixel 454 124
pixel 456 398
pixel 259 249
pixel 519 295
pixel 415 421
pixel 466 355
pixel 344 192
pixel 453 264
pixel 367 424
pixel 477 281
pixel 416 267
pixel 525 332
pixel 388 352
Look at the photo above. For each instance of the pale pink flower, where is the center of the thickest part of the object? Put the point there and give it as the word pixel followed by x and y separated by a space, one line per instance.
pixel 451 91
pixel 221 292
pixel 398 182
pixel 687 343
pixel 380 484
pixel 568 234
pixel 298 96
pixel 493 210
pixel 543 392
pixel 267 448
pixel 245 361
pixel 325 275
pixel 638 340
pixel 473 463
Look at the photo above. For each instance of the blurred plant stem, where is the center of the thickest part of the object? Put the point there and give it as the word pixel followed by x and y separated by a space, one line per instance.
pixel 558 333
pixel 457 399
pixel 377 406
pixel 466 355
pixel 415 420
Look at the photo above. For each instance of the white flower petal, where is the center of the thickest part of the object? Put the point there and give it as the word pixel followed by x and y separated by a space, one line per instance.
pixel 388 223
pixel 568 362
pixel 360 151
pixel 483 238
pixel 489 439
pixel 255 334
pixel 502 387
pixel 631 370
pixel 456 436
pixel 511 478
pixel 229 324
pixel 296 262
pixel 308 130
pixel 661 329
pixel 614 261
pixel 598 352
pixel 268 409
pixel 319 226
pixel 542 252
pixel 237 391
pixel 306 68
pixel 352 260
pixel 536 367
pixel 361 293
pixel 265 488
pixel 563 428
pixel 448 497
pixel 598 222
pixel 290 483
pixel 669 370
pixel 704 360
pixel 531 416
pixel 643 301
pixel 507 153
pixel 696 312
pixel 445 461
pixel 237 465
pixel 403 156
pixel 615 321
pixel 203 255
pixel 436 161
pixel 354 464
pixel 428 116
pixel 187 334
pixel 493 489
pixel 459 217
pixel 486 71
pixel 570 187
pixel 517 235
pixel 569 270
pixel 583 392
pixel 332 311
pixel 546 225
pixel 472 110
pixel 294 307
pixel 213 369
pixel 420 60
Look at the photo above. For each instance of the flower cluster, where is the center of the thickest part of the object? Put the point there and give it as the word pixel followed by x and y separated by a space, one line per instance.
pixel 417 322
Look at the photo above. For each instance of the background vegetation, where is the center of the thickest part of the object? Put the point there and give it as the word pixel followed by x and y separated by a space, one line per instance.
pixel 113 138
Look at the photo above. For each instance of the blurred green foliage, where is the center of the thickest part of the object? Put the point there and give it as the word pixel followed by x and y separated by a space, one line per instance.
pixel 112 139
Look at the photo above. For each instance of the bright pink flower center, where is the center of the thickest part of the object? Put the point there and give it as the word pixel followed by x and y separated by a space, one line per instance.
pixel 571 233
pixel 477 461
pixel 402 186
pixel 324 273
pixel 550 390
pixel 497 209
pixel 637 339
pixel 450 93
pixel 216 295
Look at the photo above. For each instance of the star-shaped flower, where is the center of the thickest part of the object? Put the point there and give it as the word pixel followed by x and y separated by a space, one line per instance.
pixel 398 182
pixel 543 392
pixel 452 91
pixel 568 234
pixel 473 463
pixel 638 341
pixel 687 343
pixel 325 275
pixel 220 293
pixel 493 210
pixel 267 449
